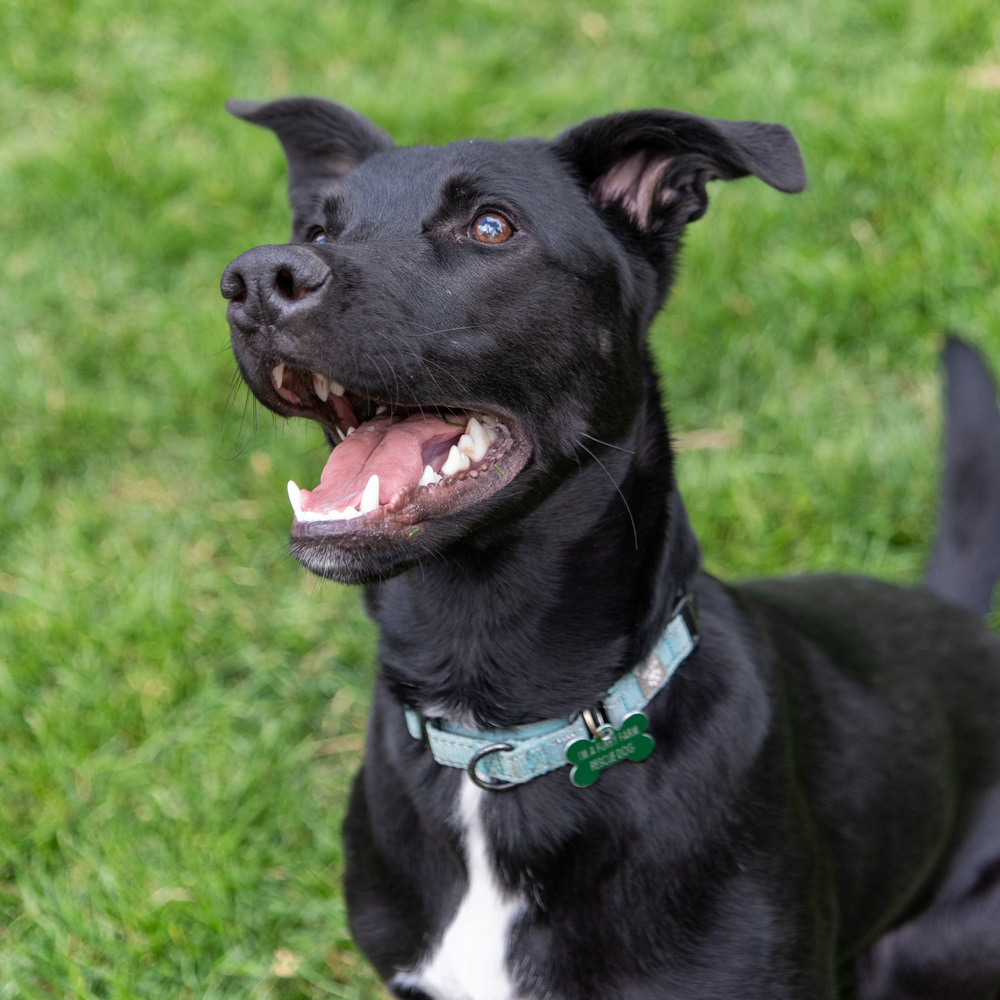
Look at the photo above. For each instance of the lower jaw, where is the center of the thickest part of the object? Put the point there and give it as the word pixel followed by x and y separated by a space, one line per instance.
pixel 350 563
pixel 383 549
pixel 417 522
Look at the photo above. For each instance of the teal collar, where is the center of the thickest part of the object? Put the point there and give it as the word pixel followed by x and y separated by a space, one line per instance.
pixel 501 758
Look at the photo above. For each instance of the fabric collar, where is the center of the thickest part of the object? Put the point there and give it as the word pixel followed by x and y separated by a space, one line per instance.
pixel 539 747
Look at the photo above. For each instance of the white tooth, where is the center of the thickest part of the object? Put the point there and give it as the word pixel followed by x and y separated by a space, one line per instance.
pixel 278 375
pixel 322 386
pixel 350 431
pixel 343 436
pixel 336 388
pixel 369 499
pixel 490 425
pixel 381 410
pixel 475 442
pixel 455 462
pixel 295 498
pixel 429 476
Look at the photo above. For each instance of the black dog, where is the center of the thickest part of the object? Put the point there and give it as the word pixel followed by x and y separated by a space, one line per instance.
pixel 672 787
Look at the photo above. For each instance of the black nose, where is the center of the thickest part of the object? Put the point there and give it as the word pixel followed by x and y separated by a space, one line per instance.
pixel 268 284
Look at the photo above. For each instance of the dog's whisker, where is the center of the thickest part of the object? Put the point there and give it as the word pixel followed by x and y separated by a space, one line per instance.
pixel 441 391
pixel 607 444
pixel 436 331
pixel 231 393
pixel 249 406
pixel 392 372
pixel 635 532
pixel 225 349
pixel 240 448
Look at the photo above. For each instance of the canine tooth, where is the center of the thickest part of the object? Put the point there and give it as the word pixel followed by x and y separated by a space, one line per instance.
pixel 429 476
pixel 295 498
pixel 343 436
pixel 381 410
pixel 475 442
pixel 322 386
pixel 455 462
pixel 336 388
pixel 350 431
pixel 278 375
pixel 369 499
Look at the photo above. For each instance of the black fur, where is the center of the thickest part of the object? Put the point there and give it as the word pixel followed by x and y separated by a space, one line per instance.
pixel 965 563
pixel 828 758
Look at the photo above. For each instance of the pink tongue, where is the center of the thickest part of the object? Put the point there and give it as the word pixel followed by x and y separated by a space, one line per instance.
pixel 394 451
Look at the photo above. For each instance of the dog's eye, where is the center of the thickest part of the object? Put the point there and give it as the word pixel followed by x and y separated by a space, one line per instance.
pixel 316 235
pixel 491 228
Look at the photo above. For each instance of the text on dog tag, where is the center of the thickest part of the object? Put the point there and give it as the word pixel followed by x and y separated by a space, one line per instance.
pixel 628 742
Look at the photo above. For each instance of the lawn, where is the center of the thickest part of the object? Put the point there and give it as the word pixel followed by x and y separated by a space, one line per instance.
pixel 181 705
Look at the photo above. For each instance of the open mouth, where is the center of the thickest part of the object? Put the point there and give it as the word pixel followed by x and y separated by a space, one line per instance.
pixel 394 463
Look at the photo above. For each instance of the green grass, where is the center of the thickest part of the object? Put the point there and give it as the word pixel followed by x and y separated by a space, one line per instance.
pixel 181 706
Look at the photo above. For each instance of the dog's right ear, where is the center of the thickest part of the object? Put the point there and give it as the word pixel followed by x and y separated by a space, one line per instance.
pixel 321 140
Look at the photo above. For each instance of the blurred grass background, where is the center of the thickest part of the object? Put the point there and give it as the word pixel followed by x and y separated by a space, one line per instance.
pixel 181 706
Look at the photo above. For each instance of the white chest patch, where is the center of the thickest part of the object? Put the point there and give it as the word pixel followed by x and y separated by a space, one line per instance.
pixel 470 961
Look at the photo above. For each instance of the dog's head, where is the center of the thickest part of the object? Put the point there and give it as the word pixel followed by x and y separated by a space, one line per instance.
pixel 466 322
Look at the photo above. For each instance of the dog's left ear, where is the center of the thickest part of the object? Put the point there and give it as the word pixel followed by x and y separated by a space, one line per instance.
pixel 321 139
pixel 653 166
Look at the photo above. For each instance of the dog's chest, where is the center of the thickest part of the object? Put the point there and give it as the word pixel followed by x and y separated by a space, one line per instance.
pixel 471 961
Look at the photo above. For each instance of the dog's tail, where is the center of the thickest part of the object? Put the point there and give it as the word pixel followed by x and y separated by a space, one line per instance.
pixel 965 563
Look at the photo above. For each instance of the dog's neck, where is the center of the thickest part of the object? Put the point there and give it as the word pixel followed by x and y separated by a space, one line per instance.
pixel 538 618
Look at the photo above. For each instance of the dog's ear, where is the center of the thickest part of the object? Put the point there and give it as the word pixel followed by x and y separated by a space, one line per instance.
pixel 321 139
pixel 652 166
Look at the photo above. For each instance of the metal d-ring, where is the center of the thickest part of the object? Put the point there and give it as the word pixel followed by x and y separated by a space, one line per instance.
pixel 597 724
pixel 490 784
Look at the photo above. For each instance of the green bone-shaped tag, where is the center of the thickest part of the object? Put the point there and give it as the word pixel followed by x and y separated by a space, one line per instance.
pixel 628 742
